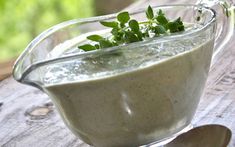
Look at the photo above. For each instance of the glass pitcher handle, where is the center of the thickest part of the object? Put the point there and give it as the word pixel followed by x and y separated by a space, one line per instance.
pixel 225 28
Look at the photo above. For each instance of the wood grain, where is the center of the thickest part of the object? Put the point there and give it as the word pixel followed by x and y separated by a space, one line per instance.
pixel 28 117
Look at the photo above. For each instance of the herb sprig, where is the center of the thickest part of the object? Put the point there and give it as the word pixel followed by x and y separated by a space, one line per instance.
pixel 126 30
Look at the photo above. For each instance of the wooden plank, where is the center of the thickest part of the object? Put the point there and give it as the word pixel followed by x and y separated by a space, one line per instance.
pixel 28 117
pixel 6 68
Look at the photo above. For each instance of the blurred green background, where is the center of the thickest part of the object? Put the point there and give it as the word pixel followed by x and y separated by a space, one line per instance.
pixel 23 20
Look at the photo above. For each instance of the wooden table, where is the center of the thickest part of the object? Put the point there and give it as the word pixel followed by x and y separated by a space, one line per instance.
pixel 29 119
pixel 6 68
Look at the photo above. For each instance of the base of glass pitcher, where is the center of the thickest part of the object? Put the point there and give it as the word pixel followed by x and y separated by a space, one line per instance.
pixel 161 143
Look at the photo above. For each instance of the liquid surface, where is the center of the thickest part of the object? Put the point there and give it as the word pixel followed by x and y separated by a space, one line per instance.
pixel 116 62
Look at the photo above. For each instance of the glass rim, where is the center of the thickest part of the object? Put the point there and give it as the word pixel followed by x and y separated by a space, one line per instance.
pixel 65 24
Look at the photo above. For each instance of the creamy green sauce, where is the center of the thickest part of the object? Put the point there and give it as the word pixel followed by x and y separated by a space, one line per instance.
pixel 133 107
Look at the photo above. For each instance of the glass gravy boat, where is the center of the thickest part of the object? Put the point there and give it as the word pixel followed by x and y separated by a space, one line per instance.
pixel 131 95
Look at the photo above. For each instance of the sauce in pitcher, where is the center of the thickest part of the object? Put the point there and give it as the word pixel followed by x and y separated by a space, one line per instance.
pixel 115 101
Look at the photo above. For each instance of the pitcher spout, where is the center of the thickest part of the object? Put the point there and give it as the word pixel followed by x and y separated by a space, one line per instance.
pixel 24 75
pixel 28 68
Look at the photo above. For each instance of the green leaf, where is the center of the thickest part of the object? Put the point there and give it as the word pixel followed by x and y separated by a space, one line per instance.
pixel 140 36
pixel 173 27
pixel 159 29
pixel 134 25
pixel 149 12
pixel 87 47
pixel 117 35
pixel 176 26
pixel 181 27
pixel 123 17
pixel 131 37
pixel 111 24
pixel 105 43
pixel 114 31
pixel 160 12
pixel 95 38
pixel 162 19
pixel 178 20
